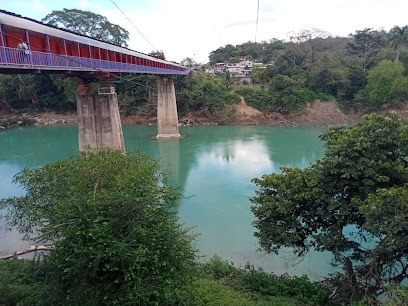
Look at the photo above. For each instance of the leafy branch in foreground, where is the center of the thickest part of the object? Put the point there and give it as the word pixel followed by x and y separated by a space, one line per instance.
pixel 353 202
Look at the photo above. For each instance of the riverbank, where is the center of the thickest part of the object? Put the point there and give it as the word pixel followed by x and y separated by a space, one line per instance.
pixel 318 112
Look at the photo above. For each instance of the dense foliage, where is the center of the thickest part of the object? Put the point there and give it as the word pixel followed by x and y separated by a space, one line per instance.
pixel 204 92
pixel 306 66
pixel 21 282
pixel 386 83
pixel 260 287
pixel 89 24
pixel 217 283
pixel 112 221
pixel 311 64
pixel 352 202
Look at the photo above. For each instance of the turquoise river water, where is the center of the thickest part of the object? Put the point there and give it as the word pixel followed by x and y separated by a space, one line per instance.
pixel 214 165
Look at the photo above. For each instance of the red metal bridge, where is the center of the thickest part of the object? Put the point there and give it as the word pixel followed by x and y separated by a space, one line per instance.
pixel 27 44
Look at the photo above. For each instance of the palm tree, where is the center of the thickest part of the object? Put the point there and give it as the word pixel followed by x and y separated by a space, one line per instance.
pixel 399 39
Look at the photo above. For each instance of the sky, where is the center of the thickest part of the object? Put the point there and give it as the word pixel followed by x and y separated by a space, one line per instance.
pixel 194 28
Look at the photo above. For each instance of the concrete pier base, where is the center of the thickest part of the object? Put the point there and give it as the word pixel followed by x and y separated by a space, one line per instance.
pixel 99 123
pixel 167 118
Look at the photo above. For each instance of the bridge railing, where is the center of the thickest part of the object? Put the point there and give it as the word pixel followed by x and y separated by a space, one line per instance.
pixel 12 57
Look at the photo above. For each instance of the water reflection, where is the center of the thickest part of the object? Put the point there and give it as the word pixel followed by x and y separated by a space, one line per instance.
pixel 28 147
pixel 220 180
pixel 214 163
pixel 169 152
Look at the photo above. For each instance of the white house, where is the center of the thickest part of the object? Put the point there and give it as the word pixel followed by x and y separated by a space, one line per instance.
pixel 241 70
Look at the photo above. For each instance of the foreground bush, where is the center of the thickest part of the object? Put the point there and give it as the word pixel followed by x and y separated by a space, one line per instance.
pixel 115 232
pixel 20 282
pixel 262 287
pixel 353 202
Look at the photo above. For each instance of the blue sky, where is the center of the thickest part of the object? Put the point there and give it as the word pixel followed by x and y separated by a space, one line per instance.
pixel 194 28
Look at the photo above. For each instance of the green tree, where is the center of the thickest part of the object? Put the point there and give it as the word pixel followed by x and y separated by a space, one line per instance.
pixel 289 93
pixel 222 54
pixel 352 202
pixel 303 47
pixel 113 224
pixel 399 39
pixel 136 92
pixel 204 92
pixel 257 97
pixel 188 62
pixel 386 83
pixel 270 49
pixel 35 92
pixel 251 49
pixel 258 75
pixel 328 75
pixel 158 54
pixel 365 45
pixel 89 24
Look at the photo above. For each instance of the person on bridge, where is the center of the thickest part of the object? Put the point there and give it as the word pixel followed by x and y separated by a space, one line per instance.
pixel 24 52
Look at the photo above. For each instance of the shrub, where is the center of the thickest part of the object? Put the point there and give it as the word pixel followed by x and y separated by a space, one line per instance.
pixel 20 282
pixel 117 240
pixel 263 286
pixel 257 97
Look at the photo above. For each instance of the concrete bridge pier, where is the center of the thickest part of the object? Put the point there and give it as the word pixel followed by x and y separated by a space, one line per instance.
pixel 98 118
pixel 167 118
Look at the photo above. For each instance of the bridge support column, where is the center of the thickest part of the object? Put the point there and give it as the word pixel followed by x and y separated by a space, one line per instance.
pixel 167 118
pixel 98 118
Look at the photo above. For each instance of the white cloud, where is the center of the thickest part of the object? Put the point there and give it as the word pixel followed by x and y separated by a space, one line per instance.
pixel 84 4
pixel 194 28
pixel 186 28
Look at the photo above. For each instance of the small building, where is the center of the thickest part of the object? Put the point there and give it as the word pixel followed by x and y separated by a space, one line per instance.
pixel 260 65
pixel 219 67
pixel 246 63
pixel 241 70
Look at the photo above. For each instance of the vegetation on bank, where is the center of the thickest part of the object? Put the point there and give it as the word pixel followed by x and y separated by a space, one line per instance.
pixel 313 64
pixel 216 283
pixel 113 225
pixel 352 203
pixel 361 72
pixel 111 218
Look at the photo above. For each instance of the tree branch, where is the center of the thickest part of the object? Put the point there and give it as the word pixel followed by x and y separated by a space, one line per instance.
pixel 32 248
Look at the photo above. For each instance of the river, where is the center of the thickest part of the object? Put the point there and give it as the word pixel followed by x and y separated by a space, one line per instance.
pixel 214 166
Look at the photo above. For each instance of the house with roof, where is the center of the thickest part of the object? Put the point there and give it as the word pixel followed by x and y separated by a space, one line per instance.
pixel 241 70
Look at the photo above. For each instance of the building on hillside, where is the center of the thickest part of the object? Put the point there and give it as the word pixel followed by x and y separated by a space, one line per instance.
pixel 241 70
pixel 219 67
pixel 260 65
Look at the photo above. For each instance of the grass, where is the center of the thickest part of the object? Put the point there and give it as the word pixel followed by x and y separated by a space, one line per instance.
pixel 221 283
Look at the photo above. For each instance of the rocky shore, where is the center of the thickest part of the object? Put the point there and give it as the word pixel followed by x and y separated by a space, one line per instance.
pixel 318 112
pixel 26 119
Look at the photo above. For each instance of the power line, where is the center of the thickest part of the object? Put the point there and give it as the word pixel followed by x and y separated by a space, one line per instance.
pixel 133 25
pixel 74 61
pixel 257 14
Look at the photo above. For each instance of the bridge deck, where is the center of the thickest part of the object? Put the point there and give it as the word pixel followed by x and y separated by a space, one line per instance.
pixel 27 44
pixel 12 58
